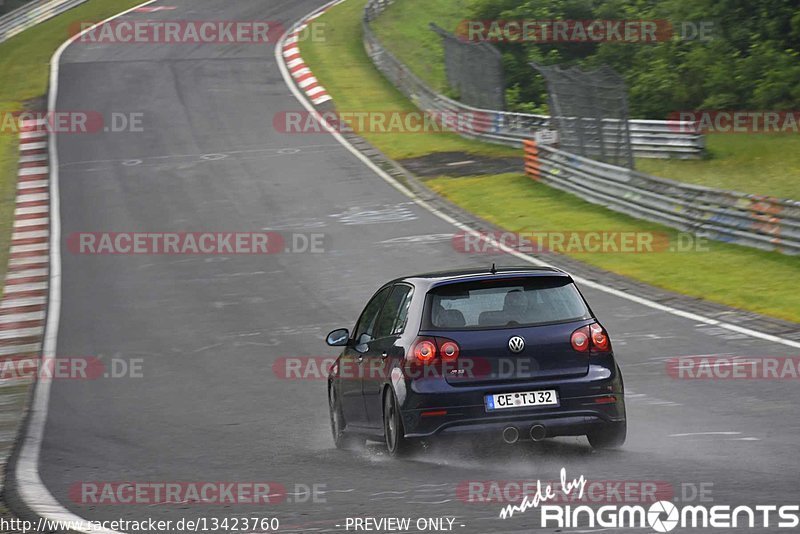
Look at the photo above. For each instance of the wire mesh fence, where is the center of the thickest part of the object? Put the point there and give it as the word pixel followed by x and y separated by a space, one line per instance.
pixel 462 60
pixel 589 109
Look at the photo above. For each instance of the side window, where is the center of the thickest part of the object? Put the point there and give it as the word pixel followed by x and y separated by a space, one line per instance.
pixel 402 317
pixel 366 323
pixel 392 310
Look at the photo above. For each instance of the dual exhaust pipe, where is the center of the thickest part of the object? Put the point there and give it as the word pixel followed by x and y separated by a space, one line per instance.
pixel 511 434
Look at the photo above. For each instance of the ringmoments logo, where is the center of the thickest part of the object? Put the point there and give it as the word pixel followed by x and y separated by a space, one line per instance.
pixel 661 516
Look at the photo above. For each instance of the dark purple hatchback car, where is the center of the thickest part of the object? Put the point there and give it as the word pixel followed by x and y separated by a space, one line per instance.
pixel 516 353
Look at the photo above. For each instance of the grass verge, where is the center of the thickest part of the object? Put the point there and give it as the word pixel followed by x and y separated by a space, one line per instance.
pixel 766 164
pixel 24 69
pixel 737 276
pixel 729 274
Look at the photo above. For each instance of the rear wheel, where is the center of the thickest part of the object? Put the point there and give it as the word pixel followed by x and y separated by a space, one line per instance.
pixel 609 436
pixel 341 439
pixel 396 442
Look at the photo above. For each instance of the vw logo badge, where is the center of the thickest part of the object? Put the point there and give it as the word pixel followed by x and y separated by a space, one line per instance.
pixel 516 344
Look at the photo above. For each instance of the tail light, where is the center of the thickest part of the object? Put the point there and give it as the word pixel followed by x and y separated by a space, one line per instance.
pixel 424 351
pixel 600 341
pixel 428 350
pixel 580 339
pixel 590 338
pixel 449 351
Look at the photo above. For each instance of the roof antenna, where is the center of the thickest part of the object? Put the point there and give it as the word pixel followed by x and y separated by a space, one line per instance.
pixel 494 269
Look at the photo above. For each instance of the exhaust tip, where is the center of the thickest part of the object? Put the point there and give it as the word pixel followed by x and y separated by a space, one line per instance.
pixel 538 432
pixel 510 435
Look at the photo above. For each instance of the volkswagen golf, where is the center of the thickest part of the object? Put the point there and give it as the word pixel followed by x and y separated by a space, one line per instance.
pixel 514 353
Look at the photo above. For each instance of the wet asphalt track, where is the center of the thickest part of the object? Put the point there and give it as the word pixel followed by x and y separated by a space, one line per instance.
pixel 208 329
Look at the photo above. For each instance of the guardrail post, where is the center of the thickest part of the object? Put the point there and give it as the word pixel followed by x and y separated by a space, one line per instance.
pixel 532 167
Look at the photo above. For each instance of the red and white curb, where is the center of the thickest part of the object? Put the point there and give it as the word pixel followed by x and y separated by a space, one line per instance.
pixel 24 302
pixel 302 75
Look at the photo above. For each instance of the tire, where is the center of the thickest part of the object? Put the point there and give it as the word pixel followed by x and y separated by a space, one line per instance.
pixel 341 439
pixel 394 434
pixel 610 436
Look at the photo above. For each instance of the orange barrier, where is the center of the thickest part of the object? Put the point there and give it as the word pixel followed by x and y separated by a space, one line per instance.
pixel 532 167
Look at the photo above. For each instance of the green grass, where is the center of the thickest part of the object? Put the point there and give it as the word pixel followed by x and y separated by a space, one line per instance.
pixel 729 274
pixel 24 69
pixel 764 164
pixel 343 68
pixel 403 28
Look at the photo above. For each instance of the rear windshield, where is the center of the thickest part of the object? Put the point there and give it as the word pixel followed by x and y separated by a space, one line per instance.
pixel 504 303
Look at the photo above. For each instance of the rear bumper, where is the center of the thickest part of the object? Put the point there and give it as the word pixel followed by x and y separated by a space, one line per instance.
pixel 564 424
pixel 584 404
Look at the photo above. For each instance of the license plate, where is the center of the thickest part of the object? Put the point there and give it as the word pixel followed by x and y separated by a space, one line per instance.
pixel 522 399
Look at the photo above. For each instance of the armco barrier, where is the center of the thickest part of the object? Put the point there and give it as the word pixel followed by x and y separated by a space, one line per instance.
pixel 32 14
pixel 649 138
pixel 756 221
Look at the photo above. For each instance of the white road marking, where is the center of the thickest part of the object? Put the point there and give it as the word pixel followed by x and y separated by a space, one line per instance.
pixel 32 184
pixel 44 219
pixel 29 234
pixel 29 197
pixel 29 171
pixel 31 210
pixel 689 434
pixel 20 332
pixel 33 146
pixel 20 349
pixel 32 158
pixel 19 288
pixel 33 134
pixel 18 317
pixel 27 260
pixel 29 248
pixel 26 273
pixel 27 301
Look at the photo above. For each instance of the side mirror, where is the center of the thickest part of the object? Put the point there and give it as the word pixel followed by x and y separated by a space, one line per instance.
pixel 361 342
pixel 338 338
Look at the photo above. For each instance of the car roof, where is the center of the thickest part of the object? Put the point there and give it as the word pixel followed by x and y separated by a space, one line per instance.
pixel 432 279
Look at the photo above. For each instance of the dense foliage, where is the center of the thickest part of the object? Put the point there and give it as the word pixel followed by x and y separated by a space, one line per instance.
pixel 751 61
